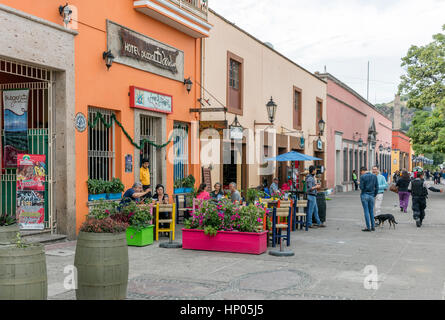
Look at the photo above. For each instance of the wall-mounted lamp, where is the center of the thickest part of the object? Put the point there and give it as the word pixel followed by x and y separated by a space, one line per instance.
pixel 321 126
pixel 381 148
pixel 109 58
pixel 65 11
pixel 188 84
pixel 271 110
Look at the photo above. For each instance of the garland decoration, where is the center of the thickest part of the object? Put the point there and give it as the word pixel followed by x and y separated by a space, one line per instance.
pixel 108 125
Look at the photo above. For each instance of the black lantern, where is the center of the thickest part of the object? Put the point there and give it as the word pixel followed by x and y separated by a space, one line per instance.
pixel 381 148
pixel 271 110
pixel 321 126
pixel 236 129
pixel 188 84
pixel 389 149
pixel 65 11
pixel 109 58
pixel 360 142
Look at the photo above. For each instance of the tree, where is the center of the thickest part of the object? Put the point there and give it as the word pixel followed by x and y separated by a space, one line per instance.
pixel 424 85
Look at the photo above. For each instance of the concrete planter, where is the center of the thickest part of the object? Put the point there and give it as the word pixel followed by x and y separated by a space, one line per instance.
pixel 8 233
pixel 225 241
pixel 102 266
pixel 23 273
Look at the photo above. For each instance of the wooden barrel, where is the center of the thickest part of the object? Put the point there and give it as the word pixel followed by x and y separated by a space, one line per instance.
pixel 102 266
pixel 8 233
pixel 23 273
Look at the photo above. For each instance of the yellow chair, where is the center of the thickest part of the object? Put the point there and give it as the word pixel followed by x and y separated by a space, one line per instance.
pixel 301 217
pixel 170 208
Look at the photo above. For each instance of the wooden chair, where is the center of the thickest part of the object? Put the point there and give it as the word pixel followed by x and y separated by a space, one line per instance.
pixel 277 227
pixel 169 208
pixel 300 215
pixel 285 204
pixel 181 207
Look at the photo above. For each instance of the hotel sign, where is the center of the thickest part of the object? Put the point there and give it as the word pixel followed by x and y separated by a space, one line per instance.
pixel 139 51
pixel 150 100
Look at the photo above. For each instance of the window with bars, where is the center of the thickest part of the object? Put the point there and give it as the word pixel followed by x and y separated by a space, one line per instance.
pixel 101 149
pixel 297 108
pixel 234 75
pixel 351 164
pixel 319 113
pixel 345 165
pixel 181 159
pixel 234 83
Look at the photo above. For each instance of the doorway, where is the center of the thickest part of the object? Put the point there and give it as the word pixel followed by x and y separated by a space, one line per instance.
pixel 148 127
pixel 39 132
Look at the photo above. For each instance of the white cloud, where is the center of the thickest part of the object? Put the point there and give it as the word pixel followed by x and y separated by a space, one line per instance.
pixel 342 34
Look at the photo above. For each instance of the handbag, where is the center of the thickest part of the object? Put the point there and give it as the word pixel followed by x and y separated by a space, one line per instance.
pixel 394 188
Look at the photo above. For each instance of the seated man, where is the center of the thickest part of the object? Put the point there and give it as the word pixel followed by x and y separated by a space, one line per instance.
pixel 274 186
pixel 135 193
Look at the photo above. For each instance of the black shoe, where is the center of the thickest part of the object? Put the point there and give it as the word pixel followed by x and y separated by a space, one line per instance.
pixel 418 223
pixel 366 230
pixel 401 209
pixel 373 229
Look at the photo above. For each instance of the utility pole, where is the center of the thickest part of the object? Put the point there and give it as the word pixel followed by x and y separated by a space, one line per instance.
pixel 367 92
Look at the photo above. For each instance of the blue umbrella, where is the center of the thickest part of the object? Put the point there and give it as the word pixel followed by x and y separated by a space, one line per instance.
pixel 292 156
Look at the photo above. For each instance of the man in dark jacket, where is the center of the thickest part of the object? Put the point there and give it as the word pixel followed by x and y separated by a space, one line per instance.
pixel 419 192
pixel 369 187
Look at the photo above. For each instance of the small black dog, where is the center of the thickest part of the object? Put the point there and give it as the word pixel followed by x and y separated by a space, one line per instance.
pixel 383 217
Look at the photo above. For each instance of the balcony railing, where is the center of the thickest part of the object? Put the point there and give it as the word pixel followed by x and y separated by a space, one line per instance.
pixel 197 7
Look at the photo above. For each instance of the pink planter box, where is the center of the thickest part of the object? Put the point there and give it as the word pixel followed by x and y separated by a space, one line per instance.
pixel 225 241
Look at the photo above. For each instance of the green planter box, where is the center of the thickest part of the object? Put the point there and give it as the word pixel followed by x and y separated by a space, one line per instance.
pixel 140 238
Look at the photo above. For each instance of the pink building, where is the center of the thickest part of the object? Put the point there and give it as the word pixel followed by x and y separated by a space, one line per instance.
pixel 357 135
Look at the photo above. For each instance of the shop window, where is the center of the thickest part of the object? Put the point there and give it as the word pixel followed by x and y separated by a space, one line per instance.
pixel 351 164
pixel 345 165
pixel 234 83
pixel 297 110
pixel 180 146
pixel 101 148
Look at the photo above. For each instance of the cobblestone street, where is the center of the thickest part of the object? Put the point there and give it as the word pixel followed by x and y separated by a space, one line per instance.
pixel 329 263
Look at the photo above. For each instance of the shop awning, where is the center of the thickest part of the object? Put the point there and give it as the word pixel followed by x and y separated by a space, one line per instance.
pixel 292 156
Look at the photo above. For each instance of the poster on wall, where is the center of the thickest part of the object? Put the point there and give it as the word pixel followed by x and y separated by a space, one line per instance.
pixel 15 109
pixel 31 175
pixel 31 209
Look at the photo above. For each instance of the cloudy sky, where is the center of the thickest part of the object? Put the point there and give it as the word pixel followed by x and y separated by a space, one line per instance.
pixel 342 35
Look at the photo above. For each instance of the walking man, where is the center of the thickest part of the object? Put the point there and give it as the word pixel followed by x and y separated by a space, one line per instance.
pixel 419 192
pixel 312 207
pixel 369 189
pixel 383 186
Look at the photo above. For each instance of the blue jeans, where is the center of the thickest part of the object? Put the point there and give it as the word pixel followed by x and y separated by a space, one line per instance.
pixel 368 207
pixel 312 208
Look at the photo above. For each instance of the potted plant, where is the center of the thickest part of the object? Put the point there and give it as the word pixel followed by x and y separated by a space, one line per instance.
pixel 23 274
pixel 8 228
pixel 140 219
pixel 184 185
pixel 253 194
pixel 96 189
pixel 224 226
pixel 101 256
pixel 114 189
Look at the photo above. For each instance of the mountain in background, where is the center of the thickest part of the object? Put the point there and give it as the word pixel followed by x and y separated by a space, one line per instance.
pixel 407 114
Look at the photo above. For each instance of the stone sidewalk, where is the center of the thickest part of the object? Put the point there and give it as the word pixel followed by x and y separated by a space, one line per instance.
pixel 329 263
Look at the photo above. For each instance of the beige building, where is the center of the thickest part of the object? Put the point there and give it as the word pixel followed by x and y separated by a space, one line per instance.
pixel 242 74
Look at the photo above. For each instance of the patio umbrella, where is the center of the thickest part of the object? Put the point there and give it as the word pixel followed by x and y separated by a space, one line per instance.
pixel 292 156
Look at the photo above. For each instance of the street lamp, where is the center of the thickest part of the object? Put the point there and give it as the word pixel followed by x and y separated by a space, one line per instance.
pixel 65 11
pixel 321 126
pixel 271 110
pixel 188 84
pixel 381 148
pixel 360 142
pixel 109 58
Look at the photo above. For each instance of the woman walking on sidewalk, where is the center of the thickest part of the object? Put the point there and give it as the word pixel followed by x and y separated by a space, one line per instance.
pixel 404 194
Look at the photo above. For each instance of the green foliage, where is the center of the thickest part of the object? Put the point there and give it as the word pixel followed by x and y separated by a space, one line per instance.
pixel 210 231
pixel 253 194
pixel 139 217
pixel 103 209
pixel 187 182
pixel 115 186
pixel 97 186
pixel 424 85
pixel 7 220
pixel 107 225
pixel 19 242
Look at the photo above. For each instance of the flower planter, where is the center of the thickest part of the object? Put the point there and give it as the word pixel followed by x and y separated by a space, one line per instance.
pixel 8 233
pixel 140 238
pixel 182 190
pixel 23 273
pixel 102 266
pixel 114 196
pixel 95 197
pixel 225 241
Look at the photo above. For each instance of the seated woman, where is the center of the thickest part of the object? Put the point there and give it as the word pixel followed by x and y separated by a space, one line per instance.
pixel 160 195
pixel 135 193
pixel 217 193
pixel 202 194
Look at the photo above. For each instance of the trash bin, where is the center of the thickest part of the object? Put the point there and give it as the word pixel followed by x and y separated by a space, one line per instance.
pixel 321 203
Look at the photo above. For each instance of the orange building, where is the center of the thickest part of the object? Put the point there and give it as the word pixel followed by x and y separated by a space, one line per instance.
pixel 401 152
pixel 123 60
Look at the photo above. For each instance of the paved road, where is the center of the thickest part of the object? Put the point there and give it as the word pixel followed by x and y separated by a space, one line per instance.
pixel 329 263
